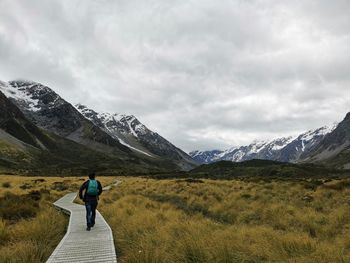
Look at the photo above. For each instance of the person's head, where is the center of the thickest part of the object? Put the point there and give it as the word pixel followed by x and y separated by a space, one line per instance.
pixel 92 175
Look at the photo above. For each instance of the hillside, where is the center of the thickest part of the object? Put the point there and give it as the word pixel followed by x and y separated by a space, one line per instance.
pixel 49 111
pixel 26 148
pixel 285 149
pixel 334 148
pixel 129 131
pixel 261 168
pixel 45 109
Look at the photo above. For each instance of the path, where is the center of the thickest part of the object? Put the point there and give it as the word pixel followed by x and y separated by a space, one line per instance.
pixel 79 245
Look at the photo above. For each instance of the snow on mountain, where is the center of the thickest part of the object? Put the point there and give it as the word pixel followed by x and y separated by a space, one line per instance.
pixel 127 124
pixel 304 143
pixel 119 126
pixel 42 106
pixel 116 134
pixel 205 156
pixel 334 148
pixel 20 94
pixel 46 109
pixel 31 95
pixel 132 133
pixel 286 149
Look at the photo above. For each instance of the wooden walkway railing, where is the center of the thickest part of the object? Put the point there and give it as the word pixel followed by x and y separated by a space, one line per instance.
pixel 79 245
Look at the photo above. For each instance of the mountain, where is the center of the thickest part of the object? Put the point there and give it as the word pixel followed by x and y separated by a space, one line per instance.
pixel 51 114
pixel 334 147
pixel 301 146
pixel 287 149
pixel 129 131
pixel 14 123
pixel 255 150
pixel 46 109
pixel 28 149
pixel 205 156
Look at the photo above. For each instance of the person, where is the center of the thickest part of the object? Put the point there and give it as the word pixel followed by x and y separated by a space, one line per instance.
pixel 89 192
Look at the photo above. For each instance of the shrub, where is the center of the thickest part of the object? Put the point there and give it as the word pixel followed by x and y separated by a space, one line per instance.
pixel 338 186
pixel 6 185
pixel 39 180
pixel 25 186
pixel 59 186
pixel 16 207
pixel 4 234
pixel 35 195
pixel 246 196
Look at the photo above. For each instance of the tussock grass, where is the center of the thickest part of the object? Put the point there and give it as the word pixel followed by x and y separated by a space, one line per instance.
pixel 30 228
pixel 6 185
pixel 229 221
pixel 16 207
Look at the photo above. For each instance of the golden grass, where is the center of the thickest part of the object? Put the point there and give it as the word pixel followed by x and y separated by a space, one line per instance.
pixel 24 184
pixel 34 238
pixel 229 221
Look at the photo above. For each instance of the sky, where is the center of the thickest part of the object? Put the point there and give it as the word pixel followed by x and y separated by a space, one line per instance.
pixel 204 74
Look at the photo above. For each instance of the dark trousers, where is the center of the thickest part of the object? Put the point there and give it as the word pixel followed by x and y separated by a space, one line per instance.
pixel 90 212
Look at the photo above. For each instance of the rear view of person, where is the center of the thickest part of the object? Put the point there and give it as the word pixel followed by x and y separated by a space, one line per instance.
pixel 89 192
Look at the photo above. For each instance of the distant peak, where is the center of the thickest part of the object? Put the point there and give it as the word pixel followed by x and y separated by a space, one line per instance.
pixel 24 82
pixel 80 106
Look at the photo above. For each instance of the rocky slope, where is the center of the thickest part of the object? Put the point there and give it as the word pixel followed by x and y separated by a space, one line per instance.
pixel 289 149
pixel 45 109
pixel 334 147
pixel 28 149
pixel 14 124
pixel 133 134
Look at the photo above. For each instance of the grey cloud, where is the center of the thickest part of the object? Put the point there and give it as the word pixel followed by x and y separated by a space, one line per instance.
pixel 203 74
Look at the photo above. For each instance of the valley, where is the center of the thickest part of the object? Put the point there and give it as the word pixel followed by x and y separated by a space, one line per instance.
pixel 279 201
pixel 218 131
pixel 190 219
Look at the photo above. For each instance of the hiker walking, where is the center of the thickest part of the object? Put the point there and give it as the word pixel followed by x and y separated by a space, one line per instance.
pixel 92 191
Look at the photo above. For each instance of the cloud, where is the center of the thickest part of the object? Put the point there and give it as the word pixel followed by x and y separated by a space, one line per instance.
pixel 203 74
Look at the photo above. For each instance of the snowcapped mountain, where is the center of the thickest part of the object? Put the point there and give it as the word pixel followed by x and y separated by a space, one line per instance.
pixel 115 134
pixel 205 156
pixel 334 148
pixel 287 149
pixel 27 149
pixel 302 145
pixel 46 109
pixel 132 133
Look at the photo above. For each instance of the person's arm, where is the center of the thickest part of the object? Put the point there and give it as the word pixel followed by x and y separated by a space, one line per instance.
pixel 99 188
pixel 82 187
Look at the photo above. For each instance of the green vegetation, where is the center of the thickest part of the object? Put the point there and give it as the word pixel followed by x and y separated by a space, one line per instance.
pixel 240 220
pixel 263 168
pixel 67 157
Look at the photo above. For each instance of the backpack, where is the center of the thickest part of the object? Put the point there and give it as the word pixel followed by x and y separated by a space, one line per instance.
pixel 92 188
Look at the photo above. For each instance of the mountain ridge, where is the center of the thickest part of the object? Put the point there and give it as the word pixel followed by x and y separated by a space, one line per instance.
pixel 334 147
pixel 44 108
pixel 284 149
pixel 135 135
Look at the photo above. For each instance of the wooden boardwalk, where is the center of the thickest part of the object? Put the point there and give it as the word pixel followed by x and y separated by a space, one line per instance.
pixel 79 245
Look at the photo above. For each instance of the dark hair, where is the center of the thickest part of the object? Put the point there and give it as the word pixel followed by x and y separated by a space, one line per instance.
pixel 92 175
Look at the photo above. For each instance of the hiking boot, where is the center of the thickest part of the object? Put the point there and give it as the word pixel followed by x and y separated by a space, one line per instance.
pixel 88 228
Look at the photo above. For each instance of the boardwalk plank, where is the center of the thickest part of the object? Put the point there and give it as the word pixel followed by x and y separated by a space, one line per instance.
pixel 79 245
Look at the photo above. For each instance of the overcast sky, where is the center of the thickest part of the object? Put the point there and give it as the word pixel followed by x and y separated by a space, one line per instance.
pixel 204 74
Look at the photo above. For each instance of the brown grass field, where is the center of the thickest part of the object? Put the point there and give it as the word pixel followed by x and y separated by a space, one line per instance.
pixel 251 220
pixel 30 228
pixel 229 221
